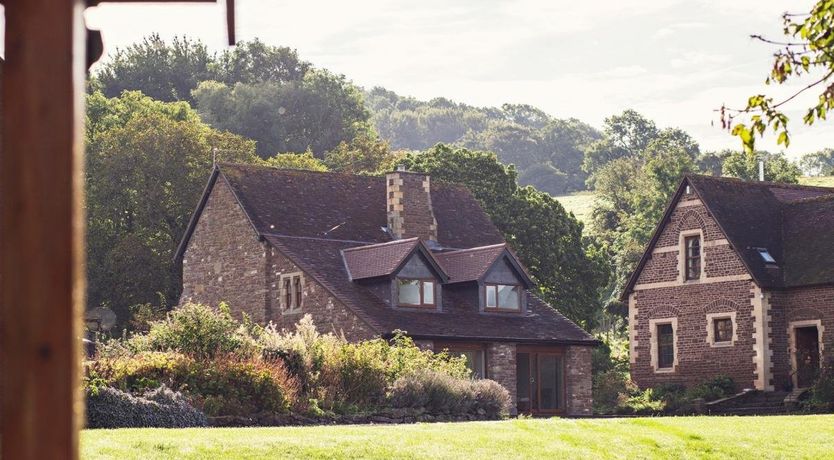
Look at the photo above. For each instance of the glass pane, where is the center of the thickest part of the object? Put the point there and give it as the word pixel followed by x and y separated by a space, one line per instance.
pixel 474 361
pixel 665 346
pixel 523 381
pixel 508 297
pixel 490 297
pixel 723 330
pixel 409 292
pixel 428 293
pixel 550 382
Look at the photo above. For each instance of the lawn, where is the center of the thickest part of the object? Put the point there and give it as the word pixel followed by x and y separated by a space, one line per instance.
pixel 671 437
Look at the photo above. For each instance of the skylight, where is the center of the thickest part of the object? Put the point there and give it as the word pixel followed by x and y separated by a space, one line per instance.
pixel 766 256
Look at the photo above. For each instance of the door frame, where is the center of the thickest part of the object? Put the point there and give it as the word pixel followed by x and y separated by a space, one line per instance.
pixel 534 353
pixel 792 327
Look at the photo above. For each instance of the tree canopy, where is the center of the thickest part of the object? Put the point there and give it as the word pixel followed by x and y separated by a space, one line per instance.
pixel 147 164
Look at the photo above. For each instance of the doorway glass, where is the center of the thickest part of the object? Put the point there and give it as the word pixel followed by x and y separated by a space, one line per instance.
pixel 523 382
pixel 550 382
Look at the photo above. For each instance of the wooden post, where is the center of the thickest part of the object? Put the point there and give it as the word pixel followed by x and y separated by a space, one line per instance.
pixel 42 251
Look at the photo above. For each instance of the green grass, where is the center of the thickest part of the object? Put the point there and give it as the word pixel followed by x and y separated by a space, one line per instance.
pixel 672 437
pixel 824 181
pixel 580 204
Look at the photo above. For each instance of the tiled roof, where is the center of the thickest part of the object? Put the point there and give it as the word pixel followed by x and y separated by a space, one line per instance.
pixel 472 264
pixel 792 222
pixel 331 226
pixel 384 259
pixel 322 259
pixel 347 207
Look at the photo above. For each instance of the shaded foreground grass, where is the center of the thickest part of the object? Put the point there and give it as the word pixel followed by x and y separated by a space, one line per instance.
pixel 681 437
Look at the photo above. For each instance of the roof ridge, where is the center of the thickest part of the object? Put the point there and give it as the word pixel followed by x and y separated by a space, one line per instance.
pixel 275 168
pixel 811 199
pixel 767 184
pixel 476 248
pixel 387 243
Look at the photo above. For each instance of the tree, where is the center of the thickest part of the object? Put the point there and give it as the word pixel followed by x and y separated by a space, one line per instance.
pixel 255 62
pixel 712 163
pixel 547 239
pixel 159 70
pixel 625 135
pixel 777 168
pixel 304 161
pixel 364 154
pixel 316 113
pixel 806 57
pixel 147 164
pixel 818 163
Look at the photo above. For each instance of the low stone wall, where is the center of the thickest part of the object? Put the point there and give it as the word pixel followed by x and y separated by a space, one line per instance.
pixel 386 417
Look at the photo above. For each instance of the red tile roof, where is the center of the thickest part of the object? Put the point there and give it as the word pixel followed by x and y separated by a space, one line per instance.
pixel 469 264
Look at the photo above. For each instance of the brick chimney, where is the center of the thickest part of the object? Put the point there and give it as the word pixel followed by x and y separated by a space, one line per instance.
pixel 409 205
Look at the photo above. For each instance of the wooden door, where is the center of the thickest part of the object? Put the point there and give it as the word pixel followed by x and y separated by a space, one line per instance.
pixel 807 355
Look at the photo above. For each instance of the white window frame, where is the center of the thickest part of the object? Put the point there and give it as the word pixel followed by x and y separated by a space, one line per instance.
pixel 297 304
pixel 655 353
pixel 711 317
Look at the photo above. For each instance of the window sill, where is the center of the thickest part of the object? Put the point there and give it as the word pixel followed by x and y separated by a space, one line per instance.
pixel 721 344
pixel 295 311
pixel 502 310
pixel 665 370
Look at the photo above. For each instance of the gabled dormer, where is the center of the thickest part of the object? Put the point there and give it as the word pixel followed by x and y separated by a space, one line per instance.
pixel 491 274
pixel 403 273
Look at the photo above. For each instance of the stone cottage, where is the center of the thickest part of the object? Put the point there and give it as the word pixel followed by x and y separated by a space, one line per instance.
pixel 738 280
pixel 367 256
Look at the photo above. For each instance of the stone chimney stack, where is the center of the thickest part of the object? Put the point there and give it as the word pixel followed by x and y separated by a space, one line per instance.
pixel 409 205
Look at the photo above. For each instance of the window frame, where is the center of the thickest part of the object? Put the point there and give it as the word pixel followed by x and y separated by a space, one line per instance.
pixel 654 328
pixel 712 332
pixel 497 306
pixel 458 349
pixel 291 292
pixel 692 273
pixel 421 288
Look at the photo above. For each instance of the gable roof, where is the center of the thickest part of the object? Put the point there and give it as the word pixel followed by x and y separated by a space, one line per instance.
pixel 792 222
pixel 332 227
pixel 340 206
pixel 385 259
pixel 472 264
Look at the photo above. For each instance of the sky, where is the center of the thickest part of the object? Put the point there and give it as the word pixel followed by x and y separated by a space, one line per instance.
pixel 675 61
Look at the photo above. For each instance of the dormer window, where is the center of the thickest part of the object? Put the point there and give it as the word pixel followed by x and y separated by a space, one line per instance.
pixel 692 246
pixel 416 292
pixel 503 297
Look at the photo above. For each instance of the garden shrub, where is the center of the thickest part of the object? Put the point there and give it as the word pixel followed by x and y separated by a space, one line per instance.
pixel 491 398
pixel 199 331
pixel 821 394
pixel 226 385
pixel 441 393
pixel 711 390
pixel 161 408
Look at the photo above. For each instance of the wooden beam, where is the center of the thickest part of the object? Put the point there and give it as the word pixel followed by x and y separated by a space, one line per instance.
pixel 42 251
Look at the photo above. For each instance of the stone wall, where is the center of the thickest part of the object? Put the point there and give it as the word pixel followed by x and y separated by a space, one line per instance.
pixel 329 314
pixel 724 287
pixel 225 261
pixel 500 366
pixel 579 381
pixel 803 305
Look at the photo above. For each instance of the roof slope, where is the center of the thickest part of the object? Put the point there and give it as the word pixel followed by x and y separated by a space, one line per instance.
pixel 459 320
pixel 348 207
pixel 793 222
pixel 332 227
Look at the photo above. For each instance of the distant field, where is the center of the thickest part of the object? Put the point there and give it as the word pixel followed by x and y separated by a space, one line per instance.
pixel 825 181
pixel 784 437
pixel 581 203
